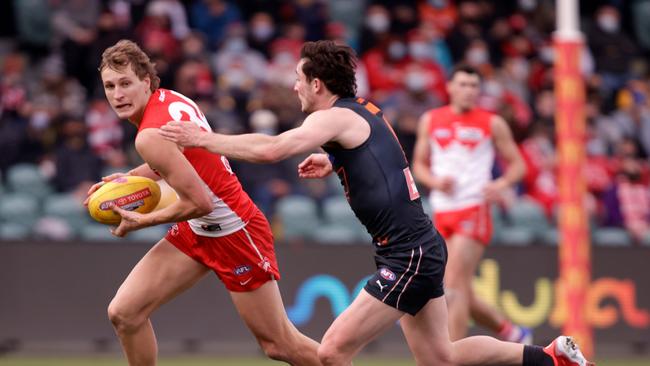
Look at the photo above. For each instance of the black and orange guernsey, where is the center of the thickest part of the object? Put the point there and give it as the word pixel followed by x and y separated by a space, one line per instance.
pixel 379 185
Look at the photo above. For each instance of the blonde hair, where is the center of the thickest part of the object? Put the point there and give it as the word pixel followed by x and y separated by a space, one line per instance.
pixel 124 53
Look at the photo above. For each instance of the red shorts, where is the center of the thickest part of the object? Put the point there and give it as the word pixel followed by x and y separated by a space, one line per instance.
pixel 243 260
pixel 474 222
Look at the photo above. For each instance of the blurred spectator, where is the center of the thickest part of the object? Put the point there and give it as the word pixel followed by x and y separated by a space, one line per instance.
pixel 312 14
pixel 75 24
pixel 376 27
pixel 634 197
pixel 266 183
pixel 77 168
pixel 438 14
pixel 383 65
pixel 262 33
pixel 613 50
pixel 436 47
pixel 33 26
pixel 350 15
pixel 212 17
pixel 540 181
pixel 641 20
pixel 156 33
pixel 105 134
pixel 240 69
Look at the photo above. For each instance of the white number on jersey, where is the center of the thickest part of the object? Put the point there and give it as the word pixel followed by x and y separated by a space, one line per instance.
pixel 176 110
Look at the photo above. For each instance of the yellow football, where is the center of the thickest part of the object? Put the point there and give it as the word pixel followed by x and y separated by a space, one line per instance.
pixel 130 193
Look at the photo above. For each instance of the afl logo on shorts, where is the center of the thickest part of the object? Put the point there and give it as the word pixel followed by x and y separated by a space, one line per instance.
pixel 387 274
pixel 241 270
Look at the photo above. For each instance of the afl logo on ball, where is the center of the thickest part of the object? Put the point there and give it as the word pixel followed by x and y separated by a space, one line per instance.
pixel 387 274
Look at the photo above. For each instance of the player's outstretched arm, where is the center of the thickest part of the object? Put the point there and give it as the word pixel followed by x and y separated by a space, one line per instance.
pixel 317 129
pixel 169 162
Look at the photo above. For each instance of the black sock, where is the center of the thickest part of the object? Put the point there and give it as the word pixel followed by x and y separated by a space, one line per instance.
pixel 535 356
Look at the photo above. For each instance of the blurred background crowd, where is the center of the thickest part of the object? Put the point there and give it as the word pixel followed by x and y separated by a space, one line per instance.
pixel 237 60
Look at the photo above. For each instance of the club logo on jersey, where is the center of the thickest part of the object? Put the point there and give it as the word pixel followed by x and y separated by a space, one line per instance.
pixel 469 134
pixel 242 269
pixel 387 274
pixel 442 133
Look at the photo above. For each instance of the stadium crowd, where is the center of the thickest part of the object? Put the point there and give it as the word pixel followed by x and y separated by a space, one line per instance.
pixel 237 60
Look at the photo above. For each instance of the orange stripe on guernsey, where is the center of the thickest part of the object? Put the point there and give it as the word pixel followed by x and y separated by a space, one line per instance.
pixel 375 110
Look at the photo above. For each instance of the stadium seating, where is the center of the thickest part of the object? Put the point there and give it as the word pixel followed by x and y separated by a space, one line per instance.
pixel 19 208
pixel 13 231
pixel 150 234
pixel 68 208
pixel 339 215
pixel 528 217
pixel 298 215
pixel 335 234
pixel 27 178
pixel 96 232
pixel 611 236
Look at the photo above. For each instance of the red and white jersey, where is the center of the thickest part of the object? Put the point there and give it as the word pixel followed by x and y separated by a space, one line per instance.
pixel 461 148
pixel 232 208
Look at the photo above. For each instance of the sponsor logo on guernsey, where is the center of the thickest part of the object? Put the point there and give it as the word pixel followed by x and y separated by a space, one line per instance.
pixel 442 133
pixel 387 274
pixel 161 97
pixel 242 269
pixel 129 202
pixel 469 133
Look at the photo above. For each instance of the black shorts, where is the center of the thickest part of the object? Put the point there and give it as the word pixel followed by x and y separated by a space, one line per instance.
pixel 407 280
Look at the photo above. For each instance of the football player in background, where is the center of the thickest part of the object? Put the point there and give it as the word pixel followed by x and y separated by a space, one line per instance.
pixel 454 154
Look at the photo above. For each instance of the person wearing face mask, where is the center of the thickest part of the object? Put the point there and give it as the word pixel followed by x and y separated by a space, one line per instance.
pixel 613 50
pixel 375 27
pixel 453 157
pixel 262 33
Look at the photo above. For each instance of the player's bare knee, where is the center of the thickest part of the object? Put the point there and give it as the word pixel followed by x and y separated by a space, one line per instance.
pixel 124 320
pixel 330 354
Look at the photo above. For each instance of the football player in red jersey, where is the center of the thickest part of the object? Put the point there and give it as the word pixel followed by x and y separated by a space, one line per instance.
pixel 217 227
pixel 454 153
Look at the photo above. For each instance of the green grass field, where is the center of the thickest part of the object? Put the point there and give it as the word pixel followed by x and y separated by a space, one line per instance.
pixel 187 361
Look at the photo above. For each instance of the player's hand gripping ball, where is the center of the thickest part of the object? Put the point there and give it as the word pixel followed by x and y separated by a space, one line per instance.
pixel 130 193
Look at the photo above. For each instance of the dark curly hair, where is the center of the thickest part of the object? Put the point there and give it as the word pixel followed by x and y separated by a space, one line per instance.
pixel 124 53
pixel 333 64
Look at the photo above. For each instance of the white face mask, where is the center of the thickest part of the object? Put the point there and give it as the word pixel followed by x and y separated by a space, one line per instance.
pixel 520 69
pixel 396 50
pixel 262 32
pixel 415 81
pixel 378 23
pixel 477 56
pixel 419 50
pixel 236 45
pixel 609 23
pixel 527 5
pixel 547 54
